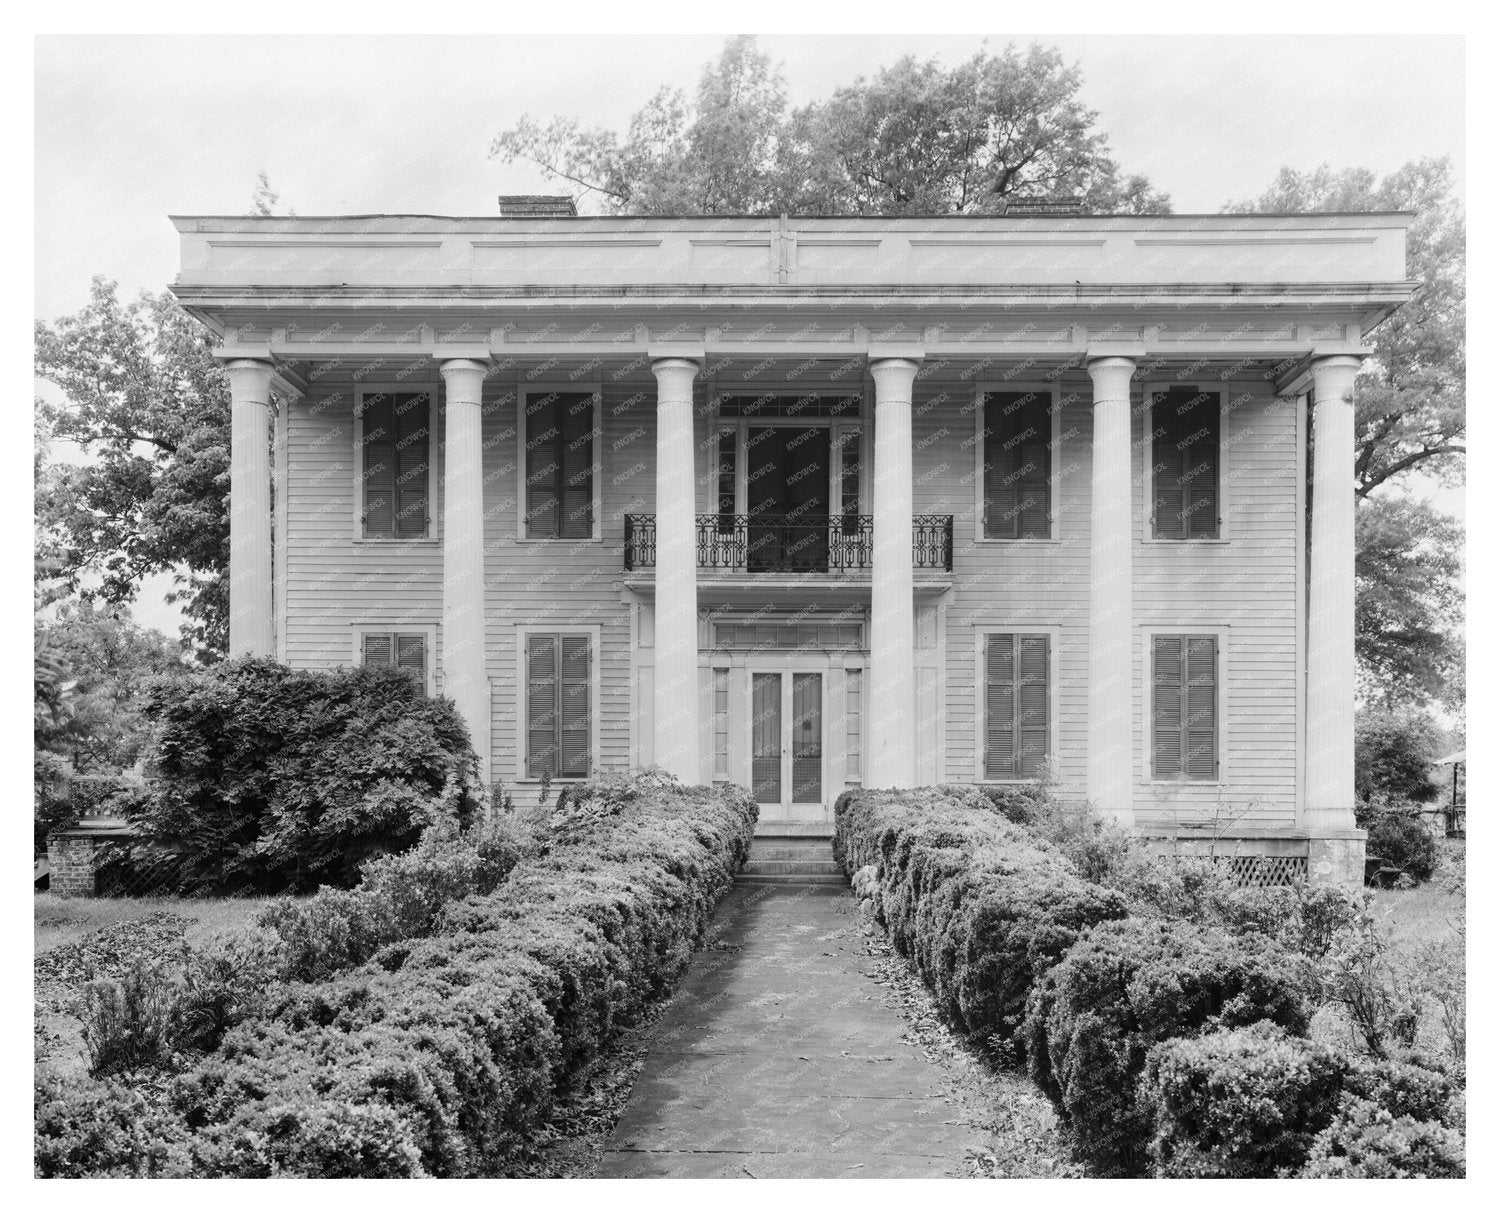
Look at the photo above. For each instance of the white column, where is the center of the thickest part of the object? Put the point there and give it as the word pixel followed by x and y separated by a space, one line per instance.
pixel 675 719
pixel 465 677
pixel 251 622
pixel 1111 540
pixel 1330 604
pixel 892 700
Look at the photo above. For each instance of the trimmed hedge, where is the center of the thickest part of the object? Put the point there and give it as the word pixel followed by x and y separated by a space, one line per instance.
pixel 1127 986
pixel 1242 1103
pixel 981 907
pixel 442 1055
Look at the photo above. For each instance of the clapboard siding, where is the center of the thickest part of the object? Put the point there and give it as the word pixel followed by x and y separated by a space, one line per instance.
pixel 1246 585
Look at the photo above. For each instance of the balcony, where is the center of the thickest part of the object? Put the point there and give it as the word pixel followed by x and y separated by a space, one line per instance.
pixel 839 544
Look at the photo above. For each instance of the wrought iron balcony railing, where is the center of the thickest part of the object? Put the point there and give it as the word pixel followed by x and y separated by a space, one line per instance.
pixel 811 543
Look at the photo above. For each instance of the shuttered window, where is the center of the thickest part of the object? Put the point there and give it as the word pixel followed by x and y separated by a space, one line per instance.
pixel 557 706
pixel 395 440
pixel 1185 464
pixel 1015 699
pixel 404 650
pixel 1016 450
pixel 1184 707
pixel 560 465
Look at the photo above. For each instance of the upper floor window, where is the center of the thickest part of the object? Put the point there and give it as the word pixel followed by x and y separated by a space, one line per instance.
pixel 1016 450
pixel 1184 464
pixel 559 445
pixel 395 445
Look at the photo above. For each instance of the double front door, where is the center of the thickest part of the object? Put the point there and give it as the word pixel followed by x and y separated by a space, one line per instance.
pixel 786 739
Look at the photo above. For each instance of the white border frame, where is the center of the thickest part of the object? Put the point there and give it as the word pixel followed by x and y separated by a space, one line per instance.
pixel 523 630
pixel 544 388
pixel 1221 700
pixel 1054 450
pixel 1148 511
pixel 434 411
pixel 429 631
pixel 1053 632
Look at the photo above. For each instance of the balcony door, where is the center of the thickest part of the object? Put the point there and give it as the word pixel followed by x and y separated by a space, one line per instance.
pixel 786 741
pixel 787 482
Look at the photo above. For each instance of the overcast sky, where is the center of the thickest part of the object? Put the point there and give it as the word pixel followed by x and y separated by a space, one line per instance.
pixel 130 130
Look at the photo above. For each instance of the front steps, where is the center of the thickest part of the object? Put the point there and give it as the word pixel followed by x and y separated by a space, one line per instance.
pixel 791 859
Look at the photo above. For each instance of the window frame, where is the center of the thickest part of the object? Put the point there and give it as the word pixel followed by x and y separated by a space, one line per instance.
pixel 981 634
pixel 404 627
pixel 1148 477
pixel 590 387
pixel 435 411
pixel 1221 634
pixel 560 628
pixel 1054 462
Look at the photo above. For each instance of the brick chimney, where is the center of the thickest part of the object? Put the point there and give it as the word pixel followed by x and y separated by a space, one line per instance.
pixel 1045 207
pixel 537 206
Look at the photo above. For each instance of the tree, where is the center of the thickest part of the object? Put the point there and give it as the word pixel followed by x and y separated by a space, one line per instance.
pixel 1393 756
pixel 149 406
pixel 263 199
pixel 1408 606
pixel 918 138
pixel 1409 399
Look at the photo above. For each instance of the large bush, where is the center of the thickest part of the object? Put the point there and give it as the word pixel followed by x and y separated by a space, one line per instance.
pixel 981 907
pixel 1393 756
pixel 1127 986
pixel 1399 842
pixel 275 779
pixel 442 1054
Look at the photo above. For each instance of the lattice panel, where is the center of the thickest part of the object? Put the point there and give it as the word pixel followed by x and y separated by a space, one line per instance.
pixel 1265 871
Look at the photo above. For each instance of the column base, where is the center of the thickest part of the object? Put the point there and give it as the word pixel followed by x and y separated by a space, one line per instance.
pixel 1336 858
pixel 1122 817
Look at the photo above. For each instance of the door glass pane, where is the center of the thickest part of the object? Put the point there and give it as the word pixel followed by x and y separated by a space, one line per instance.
pixel 765 738
pixel 807 738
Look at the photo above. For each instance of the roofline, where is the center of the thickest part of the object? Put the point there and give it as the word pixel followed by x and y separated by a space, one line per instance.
pixel 1050 218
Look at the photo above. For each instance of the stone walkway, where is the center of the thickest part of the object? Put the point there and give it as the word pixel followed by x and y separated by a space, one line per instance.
pixel 779 1057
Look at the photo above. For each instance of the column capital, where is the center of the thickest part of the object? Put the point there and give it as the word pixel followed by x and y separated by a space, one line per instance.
pixel 675 362
pixel 463 358
pixel 1099 360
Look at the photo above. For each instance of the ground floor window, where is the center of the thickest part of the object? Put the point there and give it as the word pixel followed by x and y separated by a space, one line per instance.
pixel 409 650
pixel 1016 693
pixel 559 684
pixel 1184 707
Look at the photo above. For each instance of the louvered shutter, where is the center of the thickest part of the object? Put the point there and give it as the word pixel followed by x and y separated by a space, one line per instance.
pixel 1031 713
pixel 541 706
pixel 1166 707
pixel 411 654
pixel 377 648
pixel 1166 468
pixel 1001 490
pixel 1000 707
pixel 574 724
pixel 543 469
pixel 576 461
pixel 1201 467
pixel 1033 457
pixel 378 429
pixel 1200 723
pixel 411 463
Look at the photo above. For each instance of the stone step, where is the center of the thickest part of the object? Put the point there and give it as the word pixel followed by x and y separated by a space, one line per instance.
pixel 792 867
pixel 759 878
pixel 821 853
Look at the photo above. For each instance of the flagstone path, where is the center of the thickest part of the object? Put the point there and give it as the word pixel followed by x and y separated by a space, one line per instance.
pixel 778 1056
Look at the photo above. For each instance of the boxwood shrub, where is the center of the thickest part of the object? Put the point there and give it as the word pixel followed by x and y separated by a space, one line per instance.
pixel 1127 986
pixel 1240 1103
pixel 441 1055
pixel 272 779
pixel 980 906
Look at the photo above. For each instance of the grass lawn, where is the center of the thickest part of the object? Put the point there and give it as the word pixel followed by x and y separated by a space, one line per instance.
pixel 60 920
pixel 1431 912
